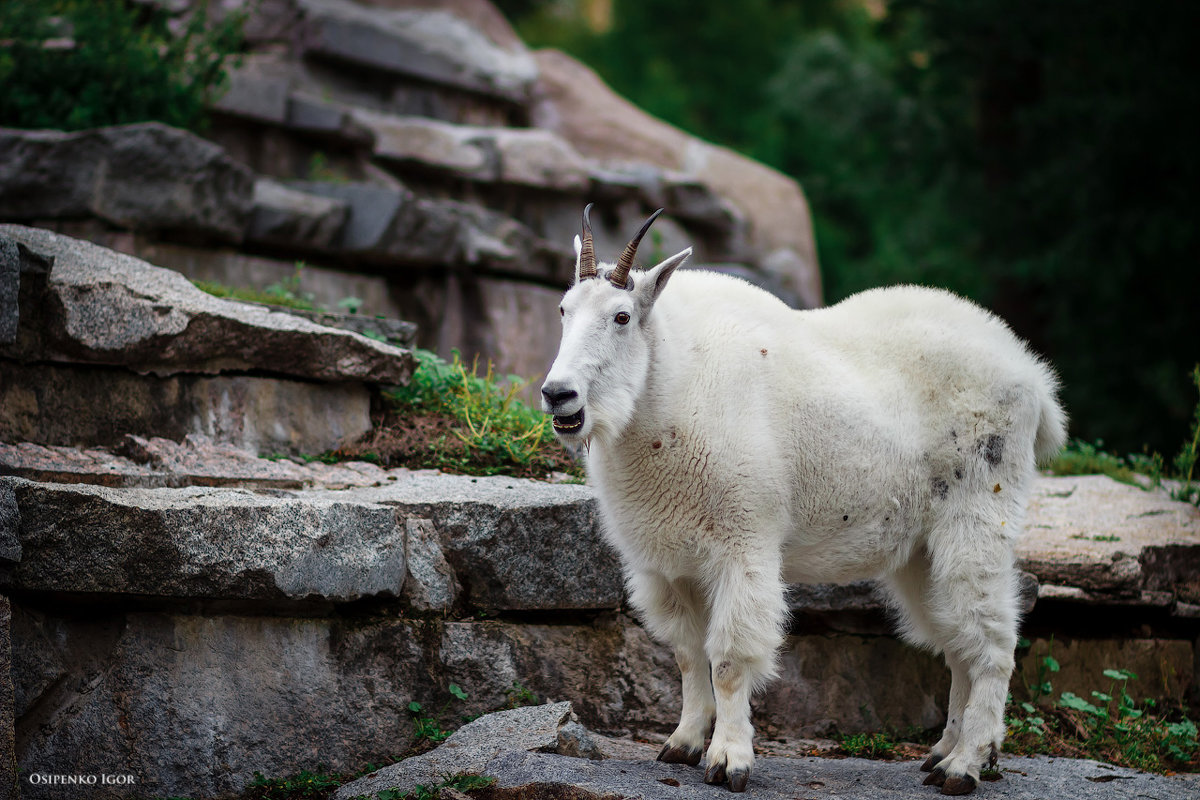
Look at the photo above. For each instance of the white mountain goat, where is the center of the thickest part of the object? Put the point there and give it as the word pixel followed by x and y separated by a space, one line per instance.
pixel 738 445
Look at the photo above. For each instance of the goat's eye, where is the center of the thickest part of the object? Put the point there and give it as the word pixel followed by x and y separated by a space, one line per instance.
pixel 622 318
pixel 561 313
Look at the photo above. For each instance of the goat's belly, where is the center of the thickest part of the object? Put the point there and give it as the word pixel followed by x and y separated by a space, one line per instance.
pixel 842 560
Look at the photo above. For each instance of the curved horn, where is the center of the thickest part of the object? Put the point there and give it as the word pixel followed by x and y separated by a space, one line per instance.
pixel 620 275
pixel 587 251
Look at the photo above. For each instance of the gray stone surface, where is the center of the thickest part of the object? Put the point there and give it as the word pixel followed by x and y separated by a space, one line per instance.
pixel 503 539
pixel 10 525
pixel 10 287
pixel 97 306
pixel 471 749
pixel 514 545
pixel 395 227
pixel 1109 539
pixel 430 584
pixel 193 706
pixel 204 543
pixel 146 176
pixel 530 764
pixel 71 405
pixel 152 463
pixel 8 759
pixel 429 45
pixel 295 220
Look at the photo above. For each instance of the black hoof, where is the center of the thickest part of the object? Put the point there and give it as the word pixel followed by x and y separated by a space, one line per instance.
pixel 931 762
pixel 737 779
pixel 964 785
pixel 936 778
pixel 715 774
pixel 680 755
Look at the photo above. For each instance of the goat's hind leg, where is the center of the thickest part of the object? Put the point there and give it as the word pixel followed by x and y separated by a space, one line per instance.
pixel 973 603
pixel 674 611
pixel 909 590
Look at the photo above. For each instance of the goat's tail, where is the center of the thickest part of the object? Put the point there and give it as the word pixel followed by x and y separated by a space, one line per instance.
pixel 1052 421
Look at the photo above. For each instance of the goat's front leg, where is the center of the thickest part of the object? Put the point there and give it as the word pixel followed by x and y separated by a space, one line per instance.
pixel 675 612
pixel 746 620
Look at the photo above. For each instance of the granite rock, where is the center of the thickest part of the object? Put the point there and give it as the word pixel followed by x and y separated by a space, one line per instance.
pixel 145 176
pixel 100 307
pixel 204 543
pixel 71 405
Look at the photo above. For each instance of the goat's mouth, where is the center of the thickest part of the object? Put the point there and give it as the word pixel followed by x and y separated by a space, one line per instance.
pixel 572 423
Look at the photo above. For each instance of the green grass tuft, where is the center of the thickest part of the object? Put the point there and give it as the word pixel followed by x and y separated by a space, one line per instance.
pixel 453 418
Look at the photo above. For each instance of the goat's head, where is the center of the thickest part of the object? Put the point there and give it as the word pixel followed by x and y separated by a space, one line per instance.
pixel 605 353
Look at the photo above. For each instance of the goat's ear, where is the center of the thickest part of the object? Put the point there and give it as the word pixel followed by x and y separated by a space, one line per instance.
pixel 655 279
pixel 578 255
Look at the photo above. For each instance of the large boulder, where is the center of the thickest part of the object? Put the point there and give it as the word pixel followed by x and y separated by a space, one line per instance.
pixel 578 105
pixel 85 304
pixel 146 176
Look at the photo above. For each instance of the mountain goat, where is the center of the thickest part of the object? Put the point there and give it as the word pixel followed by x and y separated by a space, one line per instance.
pixel 738 445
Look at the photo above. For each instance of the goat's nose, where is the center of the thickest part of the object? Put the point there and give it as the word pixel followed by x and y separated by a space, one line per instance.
pixel 557 394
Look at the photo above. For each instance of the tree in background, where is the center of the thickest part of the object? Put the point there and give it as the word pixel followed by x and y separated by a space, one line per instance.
pixel 1039 158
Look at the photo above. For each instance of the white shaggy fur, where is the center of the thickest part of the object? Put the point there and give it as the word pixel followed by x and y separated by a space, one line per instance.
pixel 738 445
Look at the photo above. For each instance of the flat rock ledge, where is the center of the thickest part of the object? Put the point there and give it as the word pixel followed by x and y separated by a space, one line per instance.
pixel 543 752
pixel 81 303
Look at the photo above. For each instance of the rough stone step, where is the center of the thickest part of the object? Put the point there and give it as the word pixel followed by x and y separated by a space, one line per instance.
pixel 544 752
pixel 1110 539
pixel 154 462
pixel 81 303
pixel 503 540
pixel 1088 539
pixel 62 404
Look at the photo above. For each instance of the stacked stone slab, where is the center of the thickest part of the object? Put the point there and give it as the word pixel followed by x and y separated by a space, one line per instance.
pixel 106 345
pixel 420 158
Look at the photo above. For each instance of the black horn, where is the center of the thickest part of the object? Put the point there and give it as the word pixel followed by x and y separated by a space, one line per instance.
pixel 620 275
pixel 587 250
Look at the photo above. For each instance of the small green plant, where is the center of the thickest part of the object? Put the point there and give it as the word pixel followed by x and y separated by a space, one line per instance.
pixel 1112 726
pixel 284 292
pixel 1084 458
pixel 868 745
pixel 1185 461
pixel 350 305
pixel 484 429
pixel 320 169
pixel 519 695
pixel 1098 537
pixel 426 727
pixel 304 786
pixel 461 782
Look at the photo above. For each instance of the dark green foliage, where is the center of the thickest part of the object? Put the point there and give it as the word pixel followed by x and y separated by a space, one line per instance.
pixel 1037 157
pixel 73 64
